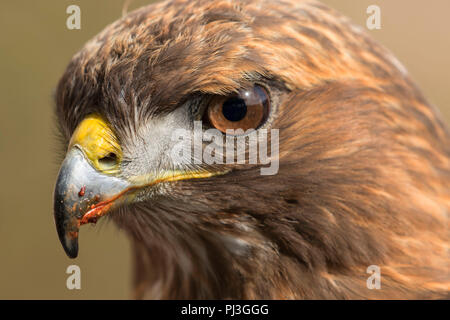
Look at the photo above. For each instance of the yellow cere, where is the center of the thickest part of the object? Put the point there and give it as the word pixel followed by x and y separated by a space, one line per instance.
pixel 96 139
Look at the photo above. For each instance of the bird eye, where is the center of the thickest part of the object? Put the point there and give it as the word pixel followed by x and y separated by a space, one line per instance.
pixel 246 110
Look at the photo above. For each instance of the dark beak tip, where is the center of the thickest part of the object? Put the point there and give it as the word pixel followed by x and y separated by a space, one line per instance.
pixel 67 236
pixel 70 247
pixel 72 254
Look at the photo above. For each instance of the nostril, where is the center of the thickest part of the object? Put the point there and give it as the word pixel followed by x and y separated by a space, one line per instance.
pixel 108 162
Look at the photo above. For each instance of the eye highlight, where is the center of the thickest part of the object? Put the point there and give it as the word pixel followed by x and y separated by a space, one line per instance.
pixel 248 109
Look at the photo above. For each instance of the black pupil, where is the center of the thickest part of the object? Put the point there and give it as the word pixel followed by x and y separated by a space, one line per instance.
pixel 234 109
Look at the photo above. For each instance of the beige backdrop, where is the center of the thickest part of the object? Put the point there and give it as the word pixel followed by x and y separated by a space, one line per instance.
pixel 35 47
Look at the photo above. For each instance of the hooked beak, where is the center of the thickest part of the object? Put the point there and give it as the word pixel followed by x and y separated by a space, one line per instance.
pixel 82 195
pixel 88 185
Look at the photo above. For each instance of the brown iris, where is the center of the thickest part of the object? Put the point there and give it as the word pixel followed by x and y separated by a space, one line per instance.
pixel 245 110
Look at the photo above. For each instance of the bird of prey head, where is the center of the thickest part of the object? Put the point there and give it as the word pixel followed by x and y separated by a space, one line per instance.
pixel 363 164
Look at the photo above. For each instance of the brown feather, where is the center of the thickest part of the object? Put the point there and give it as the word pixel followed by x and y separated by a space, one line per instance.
pixel 364 160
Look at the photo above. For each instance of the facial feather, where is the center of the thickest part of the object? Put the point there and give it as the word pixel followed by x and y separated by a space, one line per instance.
pixel 364 160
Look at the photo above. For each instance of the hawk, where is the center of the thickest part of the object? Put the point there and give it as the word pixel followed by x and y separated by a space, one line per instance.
pixel 363 173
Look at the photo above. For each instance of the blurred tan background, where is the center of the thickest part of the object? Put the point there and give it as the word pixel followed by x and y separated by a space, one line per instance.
pixel 35 47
